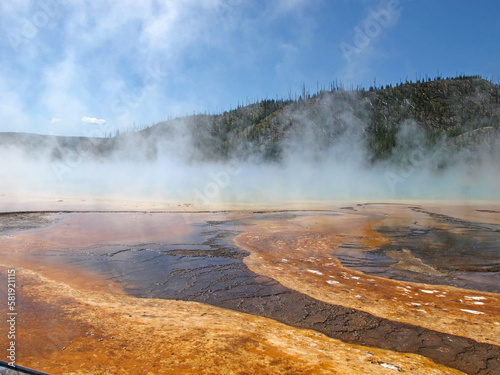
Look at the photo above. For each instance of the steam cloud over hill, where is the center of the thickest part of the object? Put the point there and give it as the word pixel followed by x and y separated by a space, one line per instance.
pixel 433 139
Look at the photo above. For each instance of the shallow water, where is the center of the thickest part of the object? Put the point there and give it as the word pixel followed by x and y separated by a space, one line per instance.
pixel 466 254
pixel 202 264
pixel 204 267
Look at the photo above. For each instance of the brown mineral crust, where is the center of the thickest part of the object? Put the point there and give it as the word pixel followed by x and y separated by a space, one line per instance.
pixel 407 261
pixel 300 254
pixel 306 243
pixel 67 330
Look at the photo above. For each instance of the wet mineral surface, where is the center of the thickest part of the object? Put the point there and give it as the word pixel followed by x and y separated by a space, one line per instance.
pixel 354 274
pixel 454 252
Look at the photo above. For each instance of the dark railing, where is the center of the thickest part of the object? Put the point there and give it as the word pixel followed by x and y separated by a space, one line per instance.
pixel 6 369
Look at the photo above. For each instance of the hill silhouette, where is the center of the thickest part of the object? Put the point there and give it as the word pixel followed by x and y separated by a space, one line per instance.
pixel 456 113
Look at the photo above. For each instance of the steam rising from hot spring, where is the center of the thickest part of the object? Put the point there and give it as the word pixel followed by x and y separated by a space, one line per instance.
pixel 305 171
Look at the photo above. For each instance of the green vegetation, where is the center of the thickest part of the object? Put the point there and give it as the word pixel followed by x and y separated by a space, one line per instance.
pixel 441 108
pixel 460 111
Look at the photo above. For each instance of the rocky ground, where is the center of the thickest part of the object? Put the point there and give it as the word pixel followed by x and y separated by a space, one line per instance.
pixel 245 292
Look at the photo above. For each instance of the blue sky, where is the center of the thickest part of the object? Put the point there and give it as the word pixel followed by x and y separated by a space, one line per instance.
pixel 90 67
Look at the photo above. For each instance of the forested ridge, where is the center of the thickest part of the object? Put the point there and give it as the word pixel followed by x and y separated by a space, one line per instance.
pixel 445 110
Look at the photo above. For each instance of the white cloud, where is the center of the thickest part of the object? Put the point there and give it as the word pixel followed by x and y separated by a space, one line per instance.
pixel 55 120
pixel 92 120
pixel 108 50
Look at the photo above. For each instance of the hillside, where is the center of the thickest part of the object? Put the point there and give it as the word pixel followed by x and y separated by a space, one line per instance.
pixel 443 111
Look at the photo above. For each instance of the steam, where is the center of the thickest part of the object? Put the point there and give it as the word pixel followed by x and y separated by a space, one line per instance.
pixel 318 162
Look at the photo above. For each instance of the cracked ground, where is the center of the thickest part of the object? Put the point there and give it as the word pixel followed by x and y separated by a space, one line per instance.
pixel 303 269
